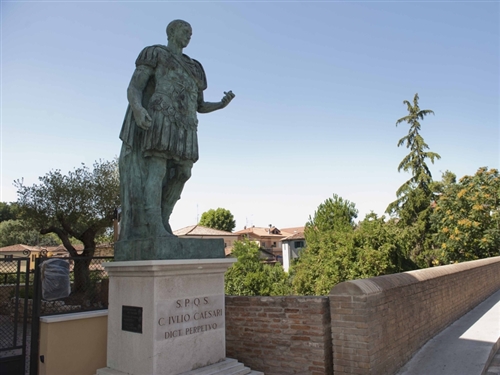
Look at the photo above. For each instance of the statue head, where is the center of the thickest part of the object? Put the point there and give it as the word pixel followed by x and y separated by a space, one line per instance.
pixel 179 31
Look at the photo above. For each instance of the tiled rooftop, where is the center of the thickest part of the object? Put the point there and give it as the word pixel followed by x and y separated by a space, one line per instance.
pixel 198 230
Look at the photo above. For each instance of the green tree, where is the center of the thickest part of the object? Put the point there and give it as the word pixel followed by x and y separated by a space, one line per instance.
pixel 467 218
pixel 439 187
pixel 383 247
pixel 250 277
pixel 334 214
pixel 220 219
pixel 13 232
pixel 79 205
pixel 328 233
pixel 373 248
pixel 8 211
pixel 415 195
pixel 413 206
pixel 323 263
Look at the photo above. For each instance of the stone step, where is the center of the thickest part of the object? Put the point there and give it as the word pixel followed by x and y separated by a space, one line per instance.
pixel 242 370
pixel 248 371
pixel 227 367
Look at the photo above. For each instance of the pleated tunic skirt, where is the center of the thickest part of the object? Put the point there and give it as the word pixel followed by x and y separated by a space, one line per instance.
pixel 173 133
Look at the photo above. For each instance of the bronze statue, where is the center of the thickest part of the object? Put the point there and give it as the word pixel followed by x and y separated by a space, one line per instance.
pixel 159 133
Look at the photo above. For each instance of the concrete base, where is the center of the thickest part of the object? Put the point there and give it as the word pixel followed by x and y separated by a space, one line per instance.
pixel 165 316
pixel 169 248
pixel 226 367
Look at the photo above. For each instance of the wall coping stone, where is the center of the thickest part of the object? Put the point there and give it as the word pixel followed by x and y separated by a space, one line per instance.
pixel 74 316
pixel 379 284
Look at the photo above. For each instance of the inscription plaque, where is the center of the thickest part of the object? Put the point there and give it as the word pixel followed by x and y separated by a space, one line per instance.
pixel 187 316
pixel 132 319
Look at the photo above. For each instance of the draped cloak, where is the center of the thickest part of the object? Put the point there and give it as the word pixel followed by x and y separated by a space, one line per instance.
pixel 171 99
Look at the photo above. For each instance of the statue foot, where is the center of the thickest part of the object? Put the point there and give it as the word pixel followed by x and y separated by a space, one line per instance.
pixel 169 230
pixel 159 231
pixel 155 224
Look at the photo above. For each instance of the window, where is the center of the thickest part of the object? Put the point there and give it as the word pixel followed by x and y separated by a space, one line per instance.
pixel 298 244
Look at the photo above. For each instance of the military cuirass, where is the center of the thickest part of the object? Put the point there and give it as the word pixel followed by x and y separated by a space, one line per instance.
pixel 176 91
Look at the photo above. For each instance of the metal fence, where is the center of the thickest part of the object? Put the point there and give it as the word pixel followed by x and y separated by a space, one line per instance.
pixel 24 299
pixel 87 291
pixel 14 329
pixel 88 286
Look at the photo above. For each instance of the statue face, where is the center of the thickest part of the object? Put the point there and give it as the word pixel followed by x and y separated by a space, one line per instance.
pixel 183 35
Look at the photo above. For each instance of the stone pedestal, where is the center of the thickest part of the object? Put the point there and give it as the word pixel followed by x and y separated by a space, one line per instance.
pixel 165 316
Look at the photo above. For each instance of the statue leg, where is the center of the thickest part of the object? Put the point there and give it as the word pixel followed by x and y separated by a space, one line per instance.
pixel 178 172
pixel 156 169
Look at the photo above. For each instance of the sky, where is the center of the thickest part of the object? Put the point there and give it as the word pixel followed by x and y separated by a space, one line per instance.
pixel 319 87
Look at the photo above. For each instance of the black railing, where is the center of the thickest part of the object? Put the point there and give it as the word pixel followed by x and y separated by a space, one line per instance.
pixel 14 287
pixel 88 286
pixel 87 291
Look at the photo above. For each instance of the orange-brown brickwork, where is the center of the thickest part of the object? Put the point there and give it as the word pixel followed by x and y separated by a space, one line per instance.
pixel 280 335
pixel 379 323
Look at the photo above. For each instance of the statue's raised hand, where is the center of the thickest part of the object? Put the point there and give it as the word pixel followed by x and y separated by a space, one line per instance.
pixel 228 96
pixel 142 118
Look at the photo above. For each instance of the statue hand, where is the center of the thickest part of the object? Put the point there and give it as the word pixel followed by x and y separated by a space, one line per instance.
pixel 228 96
pixel 142 119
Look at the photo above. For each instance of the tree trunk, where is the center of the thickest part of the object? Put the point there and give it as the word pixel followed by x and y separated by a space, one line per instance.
pixel 82 282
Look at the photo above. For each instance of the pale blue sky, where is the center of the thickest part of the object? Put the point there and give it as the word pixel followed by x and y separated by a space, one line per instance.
pixel 319 87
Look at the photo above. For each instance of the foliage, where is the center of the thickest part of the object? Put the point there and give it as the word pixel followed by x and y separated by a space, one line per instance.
pixel 22 291
pixel 447 179
pixel 374 248
pixel 333 214
pixel 250 277
pixel 13 232
pixel 414 198
pixel 8 211
pixel 220 219
pixel 467 218
pixel 415 195
pixel 78 205
pixel 327 234
pixel 384 246
pixel 11 278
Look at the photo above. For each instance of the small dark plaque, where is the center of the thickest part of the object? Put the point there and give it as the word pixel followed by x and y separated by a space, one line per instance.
pixel 132 319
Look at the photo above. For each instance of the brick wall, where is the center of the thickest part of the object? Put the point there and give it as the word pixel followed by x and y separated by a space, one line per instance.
pixel 280 335
pixel 379 323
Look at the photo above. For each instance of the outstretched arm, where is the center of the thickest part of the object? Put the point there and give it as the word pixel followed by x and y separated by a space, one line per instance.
pixel 206 107
pixel 135 89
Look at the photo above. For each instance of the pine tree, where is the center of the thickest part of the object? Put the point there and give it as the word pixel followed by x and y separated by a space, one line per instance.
pixel 415 195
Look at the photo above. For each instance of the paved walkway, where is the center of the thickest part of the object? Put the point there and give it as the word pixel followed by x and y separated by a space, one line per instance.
pixel 494 368
pixel 463 348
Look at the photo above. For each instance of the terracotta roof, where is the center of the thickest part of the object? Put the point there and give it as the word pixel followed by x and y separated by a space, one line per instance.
pixel 261 232
pixel 264 232
pixel 20 247
pixel 52 249
pixel 295 236
pixel 78 247
pixel 198 230
pixel 293 230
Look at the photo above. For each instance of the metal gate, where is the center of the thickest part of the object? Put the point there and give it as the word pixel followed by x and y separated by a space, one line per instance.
pixel 14 315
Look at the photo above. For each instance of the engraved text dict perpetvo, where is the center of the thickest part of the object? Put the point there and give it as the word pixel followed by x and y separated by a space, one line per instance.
pixel 187 316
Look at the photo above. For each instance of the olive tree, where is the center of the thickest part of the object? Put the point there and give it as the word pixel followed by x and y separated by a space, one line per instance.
pixel 79 205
